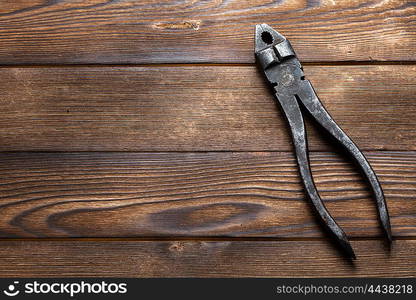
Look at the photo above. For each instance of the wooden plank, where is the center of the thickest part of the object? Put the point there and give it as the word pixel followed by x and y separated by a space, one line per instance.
pixel 195 108
pixel 195 194
pixel 98 31
pixel 203 259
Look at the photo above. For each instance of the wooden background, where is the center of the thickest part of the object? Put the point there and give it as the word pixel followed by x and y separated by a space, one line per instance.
pixel 138 139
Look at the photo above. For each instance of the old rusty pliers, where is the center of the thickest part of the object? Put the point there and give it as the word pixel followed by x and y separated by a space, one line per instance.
pixel 285 75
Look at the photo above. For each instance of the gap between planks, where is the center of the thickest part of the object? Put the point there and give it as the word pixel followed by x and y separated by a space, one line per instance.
pixel 204 259
pixel 196 64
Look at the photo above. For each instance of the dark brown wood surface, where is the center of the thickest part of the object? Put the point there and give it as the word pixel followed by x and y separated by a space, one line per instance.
pixel 103 31
pixel 195 108
pixel 195 194
pixel 221 258
pixel 138 139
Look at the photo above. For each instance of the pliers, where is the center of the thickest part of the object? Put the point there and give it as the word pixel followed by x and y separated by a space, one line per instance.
pixel 295 94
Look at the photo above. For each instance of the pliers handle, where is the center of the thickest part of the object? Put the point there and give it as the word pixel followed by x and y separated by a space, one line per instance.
pixel 295 94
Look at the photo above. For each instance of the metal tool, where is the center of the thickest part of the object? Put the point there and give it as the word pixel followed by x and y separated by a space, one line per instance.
pixel 295 95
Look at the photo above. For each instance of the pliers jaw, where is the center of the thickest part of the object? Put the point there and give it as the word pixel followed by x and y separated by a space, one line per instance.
pixel 284 74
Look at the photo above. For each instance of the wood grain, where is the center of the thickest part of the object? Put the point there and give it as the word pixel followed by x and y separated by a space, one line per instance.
pixel 195 108
pixel 106 31
pixel 195 194
pixel 203 259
